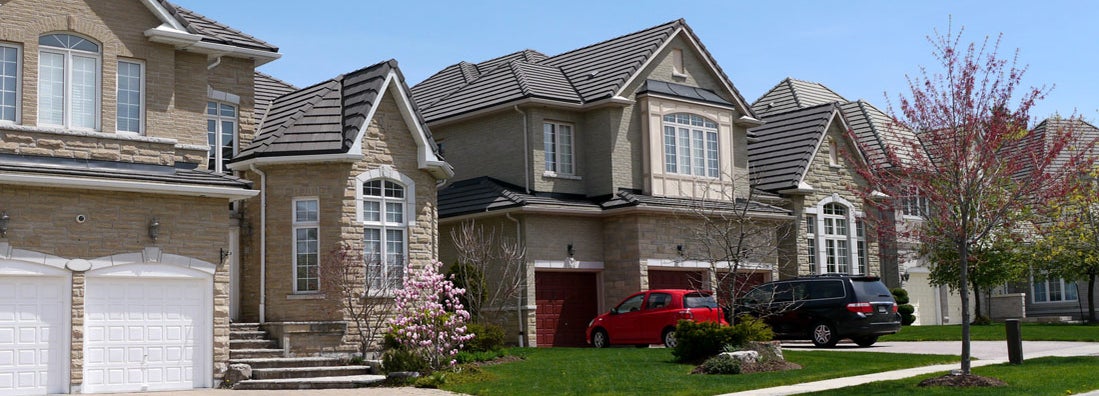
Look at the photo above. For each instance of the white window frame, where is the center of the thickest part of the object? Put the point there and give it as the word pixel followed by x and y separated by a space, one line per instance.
pixel 18 84
pixel 386 173
pixel 304 225
pixel 913 204
pixel 854 257
pixel 216 158
pixel 552 140
pixel 140 94
pixel 69 54
pixel 690 143
pixel 1046 294
pixel 811 240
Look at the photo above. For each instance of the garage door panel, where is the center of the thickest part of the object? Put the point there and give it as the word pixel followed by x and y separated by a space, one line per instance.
pixel 32 324
pixel 566 302
pixel 145 334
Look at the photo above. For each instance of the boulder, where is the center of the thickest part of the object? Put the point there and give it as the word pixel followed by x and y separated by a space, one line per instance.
pixel 743 356
pixel 768 350
pixel 237 372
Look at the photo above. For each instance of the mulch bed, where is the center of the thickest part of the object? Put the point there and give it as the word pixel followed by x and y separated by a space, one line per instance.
pixel 962 381
pixel 773 365
pixel 499 360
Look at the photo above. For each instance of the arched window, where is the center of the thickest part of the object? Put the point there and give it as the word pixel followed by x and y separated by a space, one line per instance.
pixel 690 145
pixel 68 81
pixel 385 233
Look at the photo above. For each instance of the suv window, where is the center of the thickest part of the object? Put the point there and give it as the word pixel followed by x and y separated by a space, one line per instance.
pixel 868 289
pixel 759 295
pixel 699 300
pixel 826 289
pixel 659 300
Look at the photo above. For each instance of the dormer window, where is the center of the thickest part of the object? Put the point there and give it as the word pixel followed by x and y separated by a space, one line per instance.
pixel 68 81
pixel 690 145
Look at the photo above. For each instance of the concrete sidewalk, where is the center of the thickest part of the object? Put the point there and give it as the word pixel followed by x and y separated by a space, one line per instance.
pixel 988 353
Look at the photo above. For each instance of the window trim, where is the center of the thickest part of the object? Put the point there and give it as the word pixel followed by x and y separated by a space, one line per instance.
pixel 386 173
pixel 557 154
pixel 1047 281
pixel 218 119
pixel 141 96
pixel 913 199
pixel 295 225
pixel 18 116
pixel 67 99
pixel 852 217
pixel 688 161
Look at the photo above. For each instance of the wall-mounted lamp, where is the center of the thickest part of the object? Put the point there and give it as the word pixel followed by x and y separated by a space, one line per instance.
pixel 570 250
pixel 154 229
pixel 679 250
pixel 4 220
pixel 904 276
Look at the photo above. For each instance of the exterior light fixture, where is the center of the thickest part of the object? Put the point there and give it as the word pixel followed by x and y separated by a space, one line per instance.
pixel 571 251
pixel 4 220
pixel 154 229
pixel 679 250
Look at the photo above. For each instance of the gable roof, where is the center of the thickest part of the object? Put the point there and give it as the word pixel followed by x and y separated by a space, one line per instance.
pixel 267 89
pixel 597 72
pixel 329 118
pixel 874 129
pixel 191 31
pixel 786 144
pixel 214 31
pixel 1040 137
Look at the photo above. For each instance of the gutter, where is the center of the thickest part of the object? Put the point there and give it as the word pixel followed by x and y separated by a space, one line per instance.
pixel 262 244
pixel 233 194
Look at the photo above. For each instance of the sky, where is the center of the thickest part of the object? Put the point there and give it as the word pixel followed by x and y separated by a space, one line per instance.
pixel 860 49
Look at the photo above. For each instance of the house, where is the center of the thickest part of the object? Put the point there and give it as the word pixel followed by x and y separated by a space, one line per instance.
pixel 593 159
pixel 345 161
pixel 804 154
pixel 117 219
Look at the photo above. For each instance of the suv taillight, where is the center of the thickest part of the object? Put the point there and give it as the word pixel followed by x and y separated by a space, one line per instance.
pixel 894 307
pixel 860 307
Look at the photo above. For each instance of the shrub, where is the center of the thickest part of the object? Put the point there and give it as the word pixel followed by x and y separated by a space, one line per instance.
pixel 721 364
pixel 749 328
pixel 483 356
pixel 696 341
pixel 401 359
pixel 486 337
pixel 903 307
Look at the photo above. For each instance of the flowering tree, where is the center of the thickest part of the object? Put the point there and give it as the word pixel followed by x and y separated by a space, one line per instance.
pixel 974 161
pixel 430 321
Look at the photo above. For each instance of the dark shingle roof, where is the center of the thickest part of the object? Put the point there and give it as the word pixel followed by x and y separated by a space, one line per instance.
pixel 790 94
pixel 110 170
pixel 267 89
pixel 324 118
pixel 213 31
pixel 682 91
pixel 785 145
pixel 1042 135
pixel 486 194
pixel 596 72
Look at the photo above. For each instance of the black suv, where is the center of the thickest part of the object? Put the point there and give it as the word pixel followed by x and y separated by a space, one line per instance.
pixel 825 309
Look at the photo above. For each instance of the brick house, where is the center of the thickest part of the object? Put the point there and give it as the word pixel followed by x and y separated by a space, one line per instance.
pixel 344 161
pixel 580 170
pixel 115 220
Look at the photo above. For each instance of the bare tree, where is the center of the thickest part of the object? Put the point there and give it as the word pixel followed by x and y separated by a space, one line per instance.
pixel 490 268
pixel 366 303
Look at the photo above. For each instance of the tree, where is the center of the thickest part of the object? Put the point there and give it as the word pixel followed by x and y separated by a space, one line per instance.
pixel 996 261
pixel 1068 243
pixel 490 268
pixel 367 304
pixel 974 161
pixel 430 321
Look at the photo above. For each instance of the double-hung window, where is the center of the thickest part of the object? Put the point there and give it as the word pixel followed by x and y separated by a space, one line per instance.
pixel 690 145
pixel 306 245
pixel 1053 290
pixel 836 248
pixel 130 96
pixel 913 203
pixel 68 81
pixel 811 235
pixel 860 250
pixel 558 144
pixel 9 82
pixel 385 234
pixel 221 134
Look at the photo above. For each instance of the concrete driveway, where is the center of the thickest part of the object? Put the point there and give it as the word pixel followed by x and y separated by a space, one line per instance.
pixel 405 391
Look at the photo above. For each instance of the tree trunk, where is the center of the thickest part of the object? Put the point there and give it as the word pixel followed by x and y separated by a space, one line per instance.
pixel 1091 298
pixel 963 249
pixel 976 302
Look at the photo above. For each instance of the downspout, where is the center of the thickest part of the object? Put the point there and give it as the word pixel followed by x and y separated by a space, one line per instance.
pixel 262 243
pixel 435 219
pixel 526 150
pixel 523 273
pixel 217 61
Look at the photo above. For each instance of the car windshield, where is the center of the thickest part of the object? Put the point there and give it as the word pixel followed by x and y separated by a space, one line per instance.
pixel 867 289
pixel 699 300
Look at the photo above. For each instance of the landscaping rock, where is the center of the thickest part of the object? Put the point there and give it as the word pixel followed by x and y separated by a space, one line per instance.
pixel 767 350
pixel 402 375
pixel 237 372
pixel 743 356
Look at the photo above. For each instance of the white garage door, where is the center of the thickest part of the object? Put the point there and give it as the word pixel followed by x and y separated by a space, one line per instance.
pixel 33 335
pixel 146 334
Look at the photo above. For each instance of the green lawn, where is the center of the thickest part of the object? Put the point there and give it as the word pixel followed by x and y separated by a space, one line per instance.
pixel 630 371
pixel 996 332
pixel 1043 376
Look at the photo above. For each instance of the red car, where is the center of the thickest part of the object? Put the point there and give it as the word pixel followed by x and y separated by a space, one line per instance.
pixel 649 317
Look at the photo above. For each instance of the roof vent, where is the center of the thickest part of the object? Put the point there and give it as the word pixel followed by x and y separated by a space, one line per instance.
pixel 593 73
pixel 770 105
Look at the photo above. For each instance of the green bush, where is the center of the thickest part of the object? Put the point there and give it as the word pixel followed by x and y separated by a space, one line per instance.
pixel 903 307
pixel 697 341
pixel 482 356
pixel 721 364
pixel 400 359
pixel 486 337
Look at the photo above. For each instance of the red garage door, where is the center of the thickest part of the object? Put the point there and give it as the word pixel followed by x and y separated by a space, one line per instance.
pixel 664 279
pixel 744 281
pixel 566 302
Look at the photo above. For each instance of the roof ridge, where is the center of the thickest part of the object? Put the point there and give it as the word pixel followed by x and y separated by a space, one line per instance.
pixel 878 137
pixel 651 28
pixel 469 71
pixel 797 109
pixel 793 91
pixel 506 192
pixel 520 77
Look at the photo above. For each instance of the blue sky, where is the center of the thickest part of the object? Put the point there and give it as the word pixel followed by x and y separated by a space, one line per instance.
pixel 860 49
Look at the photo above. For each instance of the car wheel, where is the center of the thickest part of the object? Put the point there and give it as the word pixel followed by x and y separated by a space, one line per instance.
pixel 599 339
pixel 824 335
pixel 865 341
pixel 669 338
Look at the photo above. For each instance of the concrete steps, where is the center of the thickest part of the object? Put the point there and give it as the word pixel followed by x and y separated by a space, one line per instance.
pixel 249 344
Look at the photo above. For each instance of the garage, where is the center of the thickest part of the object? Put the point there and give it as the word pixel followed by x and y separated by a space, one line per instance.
pixel 674 279
pixel 147 328
pixel 566 302
pixel 34 323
